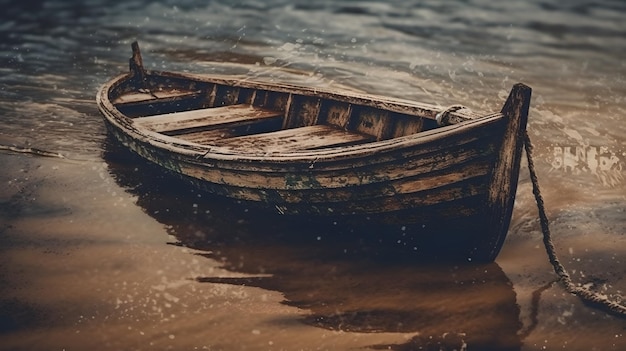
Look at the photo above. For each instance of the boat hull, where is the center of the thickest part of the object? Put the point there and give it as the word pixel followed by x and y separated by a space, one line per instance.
pixel 436 205
pixel 451 188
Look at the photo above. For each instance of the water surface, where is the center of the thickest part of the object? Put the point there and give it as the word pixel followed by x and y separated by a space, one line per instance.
pixel 100 250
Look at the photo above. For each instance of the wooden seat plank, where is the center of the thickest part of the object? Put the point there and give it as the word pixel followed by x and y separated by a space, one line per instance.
pixel 142 97
pixel 302 138
pixel 208 118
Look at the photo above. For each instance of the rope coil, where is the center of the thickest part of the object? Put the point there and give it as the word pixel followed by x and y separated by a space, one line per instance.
pixel 443 117
pixel 584 294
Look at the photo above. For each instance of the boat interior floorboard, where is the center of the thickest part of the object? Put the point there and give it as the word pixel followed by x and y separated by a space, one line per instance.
pixel 294 139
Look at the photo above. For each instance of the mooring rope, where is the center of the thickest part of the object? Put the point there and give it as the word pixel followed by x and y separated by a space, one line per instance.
pixel 584 294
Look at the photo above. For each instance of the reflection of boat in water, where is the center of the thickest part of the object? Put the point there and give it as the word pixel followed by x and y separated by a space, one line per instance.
pixel 475 302
pixel 345 285
pixel 447 177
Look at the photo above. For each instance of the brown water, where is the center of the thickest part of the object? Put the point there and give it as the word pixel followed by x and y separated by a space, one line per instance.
pixel 102 251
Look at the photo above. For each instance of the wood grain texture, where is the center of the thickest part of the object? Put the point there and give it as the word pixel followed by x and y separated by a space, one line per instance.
pixel 305 151
pixel 206 118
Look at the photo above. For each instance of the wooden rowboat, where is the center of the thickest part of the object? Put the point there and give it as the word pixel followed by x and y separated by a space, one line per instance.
pixel 445 179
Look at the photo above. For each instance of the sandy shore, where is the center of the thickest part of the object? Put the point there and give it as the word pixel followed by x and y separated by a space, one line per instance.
pixel 90 260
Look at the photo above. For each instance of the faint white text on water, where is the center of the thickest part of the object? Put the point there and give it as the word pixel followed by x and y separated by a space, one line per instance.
pixel 606 165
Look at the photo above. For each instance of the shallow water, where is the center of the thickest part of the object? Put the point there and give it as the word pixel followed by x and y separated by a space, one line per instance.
pixel 102 251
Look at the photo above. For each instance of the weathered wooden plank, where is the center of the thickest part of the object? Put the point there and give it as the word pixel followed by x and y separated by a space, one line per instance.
pixel 381 197
pixel 407 125
pixel 504 178
pixel 139 97
pixel 341 182
pixel 205 118
pixel 277 101
pixel 303 111
pixel 302 138
pixel 246 96
pixel 337 113
pixel 226 95
pixel 371 121
pixel 423 189
pixel 210 137
pixel 470 188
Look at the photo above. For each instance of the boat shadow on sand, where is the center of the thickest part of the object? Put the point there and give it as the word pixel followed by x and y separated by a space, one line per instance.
pixel 351 281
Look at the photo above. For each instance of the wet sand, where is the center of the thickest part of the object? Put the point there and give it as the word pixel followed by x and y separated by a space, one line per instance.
pixel 84 268
pixel 105 253
pixel 96 257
